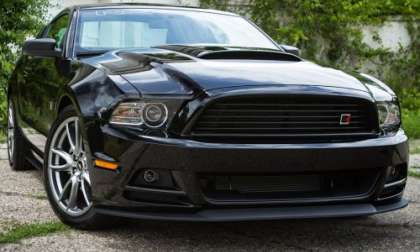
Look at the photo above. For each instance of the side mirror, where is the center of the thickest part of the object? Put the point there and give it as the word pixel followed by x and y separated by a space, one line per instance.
pixel 291 49
pixel 44 47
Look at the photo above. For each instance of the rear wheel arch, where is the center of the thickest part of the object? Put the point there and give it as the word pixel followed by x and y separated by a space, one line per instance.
pixel 9 92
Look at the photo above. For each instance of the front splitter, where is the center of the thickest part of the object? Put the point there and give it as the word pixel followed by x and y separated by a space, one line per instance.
pixel 258 214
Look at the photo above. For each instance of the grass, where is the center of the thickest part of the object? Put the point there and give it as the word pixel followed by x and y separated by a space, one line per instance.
pixel 39 196
pixel 23 231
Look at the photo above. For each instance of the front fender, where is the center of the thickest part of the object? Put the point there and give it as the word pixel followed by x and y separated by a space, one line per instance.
pixel 93 91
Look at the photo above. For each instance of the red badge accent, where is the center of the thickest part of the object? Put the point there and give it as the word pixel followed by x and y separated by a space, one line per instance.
pixel 345 119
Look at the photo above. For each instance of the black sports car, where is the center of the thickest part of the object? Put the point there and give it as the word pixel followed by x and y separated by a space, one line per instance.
pixel 171 113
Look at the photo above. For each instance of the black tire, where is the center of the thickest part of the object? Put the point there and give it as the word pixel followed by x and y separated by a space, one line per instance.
pixel 17 157
pixel 90 220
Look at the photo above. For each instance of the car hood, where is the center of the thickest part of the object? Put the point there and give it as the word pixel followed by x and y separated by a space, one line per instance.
pixel 180 71
pixel 216 74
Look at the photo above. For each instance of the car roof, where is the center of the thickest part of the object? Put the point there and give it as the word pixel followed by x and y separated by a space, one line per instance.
pixel 147 6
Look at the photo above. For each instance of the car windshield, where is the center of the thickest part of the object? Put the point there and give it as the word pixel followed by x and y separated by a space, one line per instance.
pixel 109 29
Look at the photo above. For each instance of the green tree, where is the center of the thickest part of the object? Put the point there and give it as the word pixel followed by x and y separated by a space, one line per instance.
pixel 329 32
pixel 19 19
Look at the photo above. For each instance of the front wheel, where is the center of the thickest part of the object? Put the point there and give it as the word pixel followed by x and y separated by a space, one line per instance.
pixel 66 174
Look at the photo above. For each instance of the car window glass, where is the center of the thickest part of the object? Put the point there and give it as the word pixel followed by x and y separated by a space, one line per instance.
pixel 137 28
pixel 58 29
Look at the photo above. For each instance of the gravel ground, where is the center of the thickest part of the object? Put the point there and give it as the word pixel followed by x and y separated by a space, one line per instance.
pixel 22 200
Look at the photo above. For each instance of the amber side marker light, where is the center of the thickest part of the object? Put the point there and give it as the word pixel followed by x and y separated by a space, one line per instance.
pixel 106 165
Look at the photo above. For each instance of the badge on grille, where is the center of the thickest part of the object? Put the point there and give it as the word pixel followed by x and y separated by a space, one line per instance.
pixel 345 119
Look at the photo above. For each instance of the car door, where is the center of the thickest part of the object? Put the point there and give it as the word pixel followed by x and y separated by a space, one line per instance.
pixel 40 84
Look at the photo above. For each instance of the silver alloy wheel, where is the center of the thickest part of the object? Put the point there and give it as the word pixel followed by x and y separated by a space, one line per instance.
pixel 10 132
pixel 68 169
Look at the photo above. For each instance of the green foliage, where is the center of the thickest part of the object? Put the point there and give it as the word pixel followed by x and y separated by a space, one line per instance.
pixel 20 232
pixel 410 102
pixel 329 32
pixel 18 20
pixel 2 137
pixel 411 122
pixel 414 172
pixel 410 99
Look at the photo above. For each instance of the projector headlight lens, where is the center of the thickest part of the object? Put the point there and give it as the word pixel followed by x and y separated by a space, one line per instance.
pixel 155 115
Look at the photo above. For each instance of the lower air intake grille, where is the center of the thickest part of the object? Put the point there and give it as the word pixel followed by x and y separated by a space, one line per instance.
pixel 263 184
pixel 294 118
pixel 288 186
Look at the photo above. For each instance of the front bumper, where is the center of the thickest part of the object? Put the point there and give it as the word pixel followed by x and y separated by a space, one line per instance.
pixel 186 160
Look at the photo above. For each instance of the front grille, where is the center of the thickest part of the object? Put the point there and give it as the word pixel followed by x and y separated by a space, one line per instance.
pixel 298 118
pixel 294 187
pixel 263 184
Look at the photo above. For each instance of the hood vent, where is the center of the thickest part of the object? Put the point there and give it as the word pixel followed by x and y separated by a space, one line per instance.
pixel 249 55
pixel 231 53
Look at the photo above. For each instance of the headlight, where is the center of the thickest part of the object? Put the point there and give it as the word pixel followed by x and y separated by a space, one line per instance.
pixel 155 115
pixel 389 116
pixel 152 115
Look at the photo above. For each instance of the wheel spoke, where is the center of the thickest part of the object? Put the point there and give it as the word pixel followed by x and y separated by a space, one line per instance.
pixel 11 121
pixel 11 126
pixel 66 157
pixel 72 147
pixel 10 133
pixel 74 191
pixel 66 187
pixel 64 167
pixel 86 178
pixel 77 137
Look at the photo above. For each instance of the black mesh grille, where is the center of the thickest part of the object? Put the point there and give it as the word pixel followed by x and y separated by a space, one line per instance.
pixel 289 186
pixel 308 118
